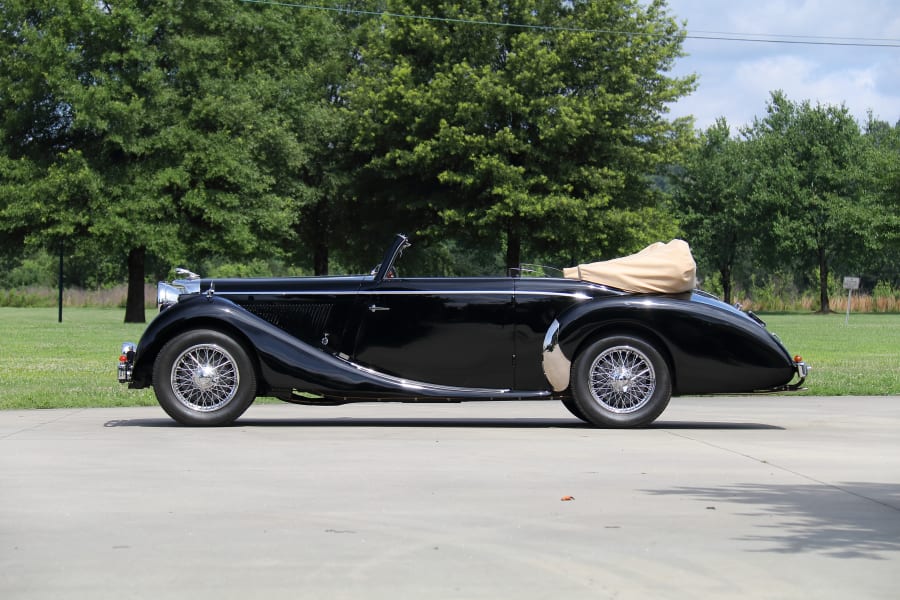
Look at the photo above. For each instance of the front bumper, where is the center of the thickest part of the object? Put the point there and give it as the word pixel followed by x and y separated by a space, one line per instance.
pixel 126 362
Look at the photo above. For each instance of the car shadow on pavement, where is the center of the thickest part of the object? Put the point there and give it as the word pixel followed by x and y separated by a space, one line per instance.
pixel 452 423
pixel 843 520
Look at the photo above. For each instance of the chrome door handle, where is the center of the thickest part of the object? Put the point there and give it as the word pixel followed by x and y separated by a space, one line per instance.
pixel 374 308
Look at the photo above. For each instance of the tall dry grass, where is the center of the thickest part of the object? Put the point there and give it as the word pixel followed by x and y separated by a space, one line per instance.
pixel 862 303
pixel 44 297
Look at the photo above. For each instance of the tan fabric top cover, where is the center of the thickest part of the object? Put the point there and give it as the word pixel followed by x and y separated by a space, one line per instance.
pixel 658 268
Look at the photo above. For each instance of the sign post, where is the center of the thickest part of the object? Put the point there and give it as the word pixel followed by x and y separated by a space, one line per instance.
pixel 850 284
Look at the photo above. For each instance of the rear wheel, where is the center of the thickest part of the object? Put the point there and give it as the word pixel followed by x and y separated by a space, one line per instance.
pixel 204 377
pixel 621 381
pixel 572 407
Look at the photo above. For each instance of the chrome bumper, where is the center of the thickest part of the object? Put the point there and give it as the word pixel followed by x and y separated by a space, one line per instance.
pixel 126 362
pixel 802 370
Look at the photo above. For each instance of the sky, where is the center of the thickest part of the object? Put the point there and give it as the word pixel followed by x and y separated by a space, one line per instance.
pixel 737 78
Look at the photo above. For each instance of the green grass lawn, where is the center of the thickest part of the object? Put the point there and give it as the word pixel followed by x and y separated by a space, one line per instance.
pixel 45 364
pixel 859 358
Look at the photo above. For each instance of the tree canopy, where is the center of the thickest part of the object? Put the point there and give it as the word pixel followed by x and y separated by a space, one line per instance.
pixel 138 134
pixel 801 190
pixel 159 127
pixel 536 120
pixel 810 179
pixel 712 196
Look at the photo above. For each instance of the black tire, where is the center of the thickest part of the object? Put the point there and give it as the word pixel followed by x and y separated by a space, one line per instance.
pixel 621 381
pixel 204 378
pixel 572 407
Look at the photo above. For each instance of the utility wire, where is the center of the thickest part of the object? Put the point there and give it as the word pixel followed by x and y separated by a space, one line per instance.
pixel 811 40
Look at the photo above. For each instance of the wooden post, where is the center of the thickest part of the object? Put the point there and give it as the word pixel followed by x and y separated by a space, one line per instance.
pixel 61 248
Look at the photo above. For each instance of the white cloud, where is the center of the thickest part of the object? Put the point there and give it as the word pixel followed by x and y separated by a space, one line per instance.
pixel 736 78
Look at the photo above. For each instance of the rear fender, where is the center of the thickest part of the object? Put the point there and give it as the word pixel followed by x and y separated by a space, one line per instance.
pixel 587 322
pixel 709 349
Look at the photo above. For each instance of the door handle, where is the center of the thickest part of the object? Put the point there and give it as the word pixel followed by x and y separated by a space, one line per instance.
pixel 375 308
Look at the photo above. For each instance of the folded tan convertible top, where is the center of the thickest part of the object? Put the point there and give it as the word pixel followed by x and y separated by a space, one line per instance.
pixel 658 268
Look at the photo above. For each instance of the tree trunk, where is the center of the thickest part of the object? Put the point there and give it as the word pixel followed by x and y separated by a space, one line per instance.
pixel 134 305
pixel 824 306
pixel 725 273
pixel 320 257
pixel 513 248
pixel 320 233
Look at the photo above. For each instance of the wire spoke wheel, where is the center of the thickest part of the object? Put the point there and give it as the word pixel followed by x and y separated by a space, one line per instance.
pixel 205 377
pixel 622 379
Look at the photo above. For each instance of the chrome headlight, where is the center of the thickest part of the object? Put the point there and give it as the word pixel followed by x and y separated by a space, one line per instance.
pixel 167 294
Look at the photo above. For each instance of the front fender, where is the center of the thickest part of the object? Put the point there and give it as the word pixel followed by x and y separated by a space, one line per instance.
pixel 190 313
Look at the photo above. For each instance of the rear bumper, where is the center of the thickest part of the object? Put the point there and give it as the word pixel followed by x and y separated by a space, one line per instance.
pixel 802 370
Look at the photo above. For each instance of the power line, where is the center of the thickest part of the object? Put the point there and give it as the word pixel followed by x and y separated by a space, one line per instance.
pixel 795 39
pixel 802 37
pixel 807 40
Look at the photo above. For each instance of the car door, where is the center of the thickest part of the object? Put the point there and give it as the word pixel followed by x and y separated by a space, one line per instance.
pixel 456 332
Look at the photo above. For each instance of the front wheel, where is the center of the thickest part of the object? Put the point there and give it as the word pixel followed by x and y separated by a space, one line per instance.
pixel 621 381
pixel 204 377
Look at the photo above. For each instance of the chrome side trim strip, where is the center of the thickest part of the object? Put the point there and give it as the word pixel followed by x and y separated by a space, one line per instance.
pixel 434 389
pixel 574 295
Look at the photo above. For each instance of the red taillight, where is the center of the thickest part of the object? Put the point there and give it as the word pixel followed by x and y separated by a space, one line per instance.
pixel 798 359
pixel 123 358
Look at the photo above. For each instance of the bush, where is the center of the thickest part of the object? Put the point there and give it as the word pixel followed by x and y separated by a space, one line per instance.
pixel 885 298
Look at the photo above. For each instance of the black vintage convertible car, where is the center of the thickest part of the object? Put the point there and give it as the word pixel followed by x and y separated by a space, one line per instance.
pixel 612 357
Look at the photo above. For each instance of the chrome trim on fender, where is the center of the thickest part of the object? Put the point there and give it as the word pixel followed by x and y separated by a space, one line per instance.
pixel 557 368
pixel 409 384
pixel 422 390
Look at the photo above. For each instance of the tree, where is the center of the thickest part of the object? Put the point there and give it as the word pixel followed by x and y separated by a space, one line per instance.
pixel 183 129
pixel 882 230
pixel 810 181
pixel 46 184
pixel 533 123
pixel 713 198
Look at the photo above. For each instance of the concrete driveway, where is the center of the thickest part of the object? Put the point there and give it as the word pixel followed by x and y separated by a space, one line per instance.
pixel 764 497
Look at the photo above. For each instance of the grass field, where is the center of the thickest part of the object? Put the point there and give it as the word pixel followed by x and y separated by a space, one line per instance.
pixel 45 364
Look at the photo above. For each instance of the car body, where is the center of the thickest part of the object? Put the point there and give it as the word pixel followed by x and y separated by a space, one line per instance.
pixel 613 358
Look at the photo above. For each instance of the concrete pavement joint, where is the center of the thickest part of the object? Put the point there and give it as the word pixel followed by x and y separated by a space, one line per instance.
pixel 36 426
pixel 787 470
